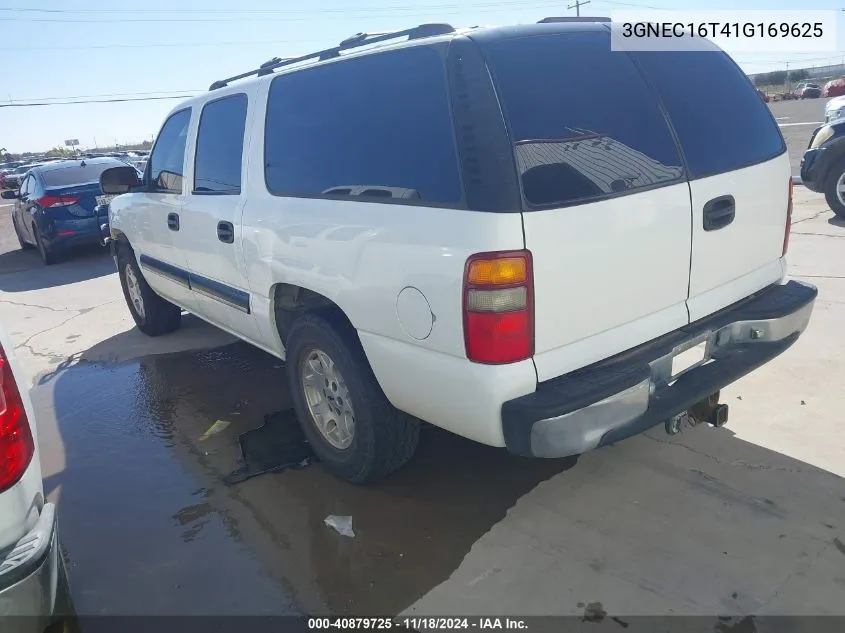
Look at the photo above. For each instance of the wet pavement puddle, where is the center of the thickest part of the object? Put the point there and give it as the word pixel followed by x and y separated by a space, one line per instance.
pixel 149 525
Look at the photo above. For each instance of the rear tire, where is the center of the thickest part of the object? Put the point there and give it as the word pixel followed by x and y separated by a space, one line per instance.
pixel 836 180
pixel 153 315
pixel 382 438
pixel 47 256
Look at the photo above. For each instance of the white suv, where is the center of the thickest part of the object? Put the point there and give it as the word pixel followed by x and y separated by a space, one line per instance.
pixel 31 570
pixel 443 229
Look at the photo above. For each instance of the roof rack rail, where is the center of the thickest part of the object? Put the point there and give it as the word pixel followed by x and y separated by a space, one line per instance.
pixel 572 19
pixel 359 39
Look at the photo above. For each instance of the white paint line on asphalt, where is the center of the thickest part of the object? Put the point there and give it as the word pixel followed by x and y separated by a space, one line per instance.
pixel 782 118
pixel 6 206
pixel 806 123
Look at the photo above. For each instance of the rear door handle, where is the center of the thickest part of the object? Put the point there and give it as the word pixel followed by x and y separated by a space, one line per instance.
pixel 226 232
pixel 173 221
pixel 719 212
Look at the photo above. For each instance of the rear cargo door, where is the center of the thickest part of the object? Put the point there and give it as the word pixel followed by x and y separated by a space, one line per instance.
pixel 739 174
pixel 606 202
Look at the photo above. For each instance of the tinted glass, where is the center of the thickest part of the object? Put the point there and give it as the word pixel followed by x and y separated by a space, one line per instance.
pixel 75 175
pixel 220 142
pixel 378 125
pixel 24 189
pixel 167 162
pixel 582 130
pixel 721 121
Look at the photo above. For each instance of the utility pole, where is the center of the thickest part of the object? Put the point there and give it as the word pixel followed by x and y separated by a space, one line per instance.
pixel 577 6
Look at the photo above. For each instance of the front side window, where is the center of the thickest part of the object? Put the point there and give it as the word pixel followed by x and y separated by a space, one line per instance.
pixel 377 127
pixel 220 142
pixel 584 123
pixel 167 162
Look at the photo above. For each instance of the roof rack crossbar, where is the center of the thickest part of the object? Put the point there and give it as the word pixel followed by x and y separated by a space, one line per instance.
pixel 554 19
pixel 359 39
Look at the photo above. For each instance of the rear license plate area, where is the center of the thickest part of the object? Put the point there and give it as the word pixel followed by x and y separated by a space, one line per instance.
pixel 688 359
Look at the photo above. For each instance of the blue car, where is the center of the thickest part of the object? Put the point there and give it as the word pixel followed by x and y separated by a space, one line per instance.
pixel 60 206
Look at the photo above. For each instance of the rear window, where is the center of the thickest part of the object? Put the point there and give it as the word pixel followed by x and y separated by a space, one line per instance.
pixel 76 175
pixel 720 120
pixel 584 123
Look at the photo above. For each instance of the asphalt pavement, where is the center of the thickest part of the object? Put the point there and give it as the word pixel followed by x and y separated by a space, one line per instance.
pixel 749 518
pixel 797 120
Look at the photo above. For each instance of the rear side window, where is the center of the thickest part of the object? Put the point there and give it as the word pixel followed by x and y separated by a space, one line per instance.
pixel 376 127
pixel 720 120
pixel 167 162
pixel 220 143
pixel 584 123
pixel 77 175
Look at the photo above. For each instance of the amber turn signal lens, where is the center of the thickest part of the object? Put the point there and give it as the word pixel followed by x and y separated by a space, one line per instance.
pixel 497 272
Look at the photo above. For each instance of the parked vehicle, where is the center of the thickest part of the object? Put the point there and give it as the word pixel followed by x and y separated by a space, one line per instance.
pixel 834 88
pixel 32 574
pixel 443 230
pixel 808 91
pixel 834 109
pixel 55 208
pixel 823 164
pixel 13 179
pixel 763 95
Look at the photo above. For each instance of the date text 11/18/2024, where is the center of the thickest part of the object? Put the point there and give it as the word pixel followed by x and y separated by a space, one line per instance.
pixel 419 624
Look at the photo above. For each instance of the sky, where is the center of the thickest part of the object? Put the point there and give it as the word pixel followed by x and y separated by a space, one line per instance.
pixel 60 50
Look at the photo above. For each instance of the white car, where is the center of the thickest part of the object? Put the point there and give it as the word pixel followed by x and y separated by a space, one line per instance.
pixel 834 109
pixel 31 570
pixel 441 229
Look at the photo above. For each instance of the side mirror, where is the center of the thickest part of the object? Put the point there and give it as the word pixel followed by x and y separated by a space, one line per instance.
pixel 10 194
pixel 118 180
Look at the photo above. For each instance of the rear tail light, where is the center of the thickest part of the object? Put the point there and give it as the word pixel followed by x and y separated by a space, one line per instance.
pixel 788 228
pixel 16 444
pixel 48 202
pixel 499 307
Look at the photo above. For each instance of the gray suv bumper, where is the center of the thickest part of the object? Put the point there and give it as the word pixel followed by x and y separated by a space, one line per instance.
pixel 29 576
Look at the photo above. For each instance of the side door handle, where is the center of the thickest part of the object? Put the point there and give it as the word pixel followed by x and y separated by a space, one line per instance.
pixel 173 221
pixel 226 232
pixel 719 212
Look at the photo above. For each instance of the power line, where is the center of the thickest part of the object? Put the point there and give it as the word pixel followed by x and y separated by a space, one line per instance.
pixel 452 5
pixel 164 45
pixel 419 11
pixel 159 93
pixel 51 103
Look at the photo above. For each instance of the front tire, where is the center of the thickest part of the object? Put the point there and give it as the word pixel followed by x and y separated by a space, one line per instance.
pixel 834 188
pixel 351 426
pixel 153 315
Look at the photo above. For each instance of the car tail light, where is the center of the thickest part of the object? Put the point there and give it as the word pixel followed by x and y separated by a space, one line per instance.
pixel 788 228
pixel 16 443
pixel 48 202
pixel 499 307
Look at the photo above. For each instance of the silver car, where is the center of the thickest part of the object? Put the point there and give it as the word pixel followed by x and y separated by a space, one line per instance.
pixel 32 578
pixel 834 109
